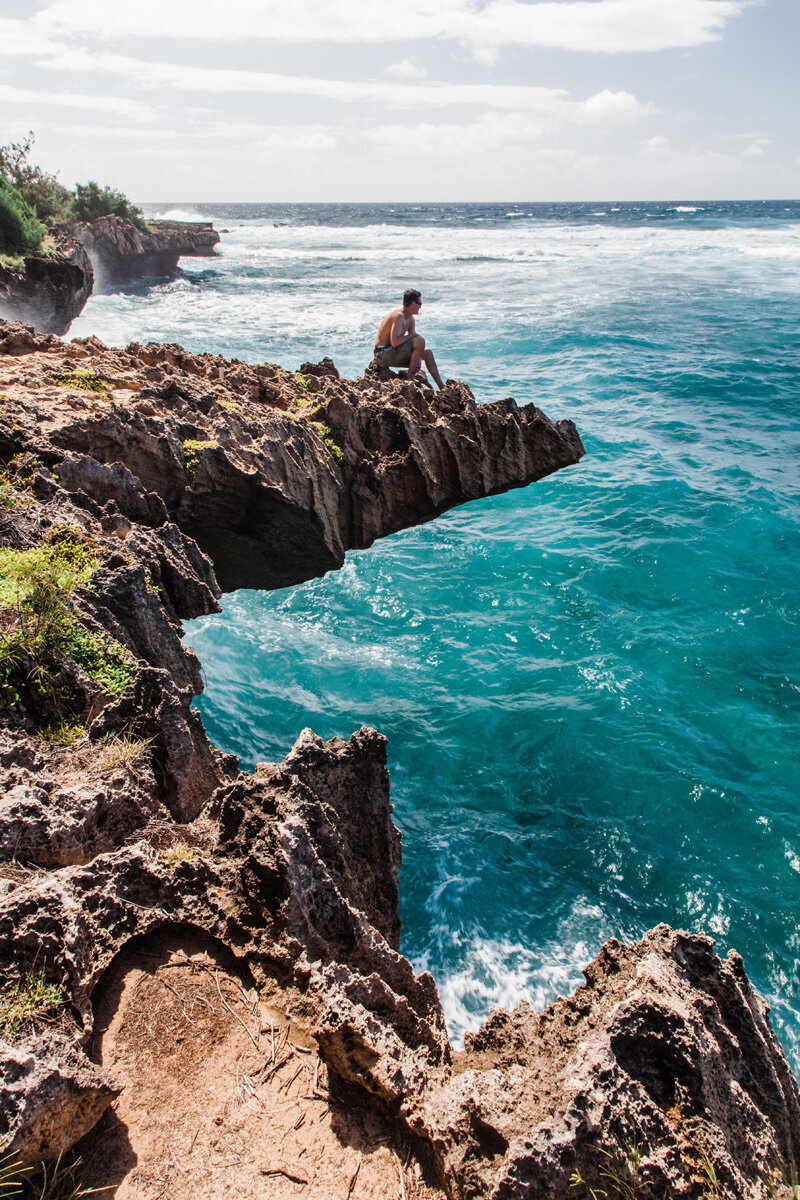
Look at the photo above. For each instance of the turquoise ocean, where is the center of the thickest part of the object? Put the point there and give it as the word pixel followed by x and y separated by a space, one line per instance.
pixel 590 687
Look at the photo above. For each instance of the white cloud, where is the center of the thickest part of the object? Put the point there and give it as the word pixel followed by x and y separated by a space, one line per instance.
pixel 609 107
pixel 757 147
pixel 212 80
pixel 18 39
pixel 132 109
pixel 587 25
pixel 409 68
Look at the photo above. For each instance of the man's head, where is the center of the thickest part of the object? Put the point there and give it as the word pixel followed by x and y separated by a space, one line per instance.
pixel 412 296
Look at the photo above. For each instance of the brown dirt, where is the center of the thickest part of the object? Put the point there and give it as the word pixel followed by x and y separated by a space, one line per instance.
pixel 225 1097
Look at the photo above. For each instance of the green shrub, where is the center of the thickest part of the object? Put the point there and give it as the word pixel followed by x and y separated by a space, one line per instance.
pixel 81 379
pixel 48 198
pixel 329 442
pixel 21 232
pixel 191 447
pixel 41 628
pixel 91 201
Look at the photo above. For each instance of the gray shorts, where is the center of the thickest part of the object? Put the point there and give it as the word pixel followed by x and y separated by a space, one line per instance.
pixel 395 356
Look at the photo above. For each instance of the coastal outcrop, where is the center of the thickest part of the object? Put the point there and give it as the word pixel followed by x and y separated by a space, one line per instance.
pixel 49 291
pixel 275 474
pixel 121 253
pixel 216 954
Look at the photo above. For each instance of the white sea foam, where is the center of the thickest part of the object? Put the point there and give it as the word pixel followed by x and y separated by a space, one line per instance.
pixel 177 214
pixel 687 208
pixel 499 972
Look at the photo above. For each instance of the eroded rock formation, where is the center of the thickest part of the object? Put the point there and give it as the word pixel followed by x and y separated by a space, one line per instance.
pixel 49 291
pixel 120 253
pixel 274 473
pixel 136 825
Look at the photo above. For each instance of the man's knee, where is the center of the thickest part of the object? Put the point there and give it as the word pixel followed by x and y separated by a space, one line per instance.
pixel 419 343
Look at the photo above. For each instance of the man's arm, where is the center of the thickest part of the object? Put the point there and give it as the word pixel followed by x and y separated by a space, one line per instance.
pixel 400 331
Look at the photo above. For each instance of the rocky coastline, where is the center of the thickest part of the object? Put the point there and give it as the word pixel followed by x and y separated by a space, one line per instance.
pixel 49 291
pixel 229 1009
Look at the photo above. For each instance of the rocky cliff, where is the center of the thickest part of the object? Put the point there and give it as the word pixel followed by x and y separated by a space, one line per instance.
pixel 49 292
pixel 120 253
pixel 202 966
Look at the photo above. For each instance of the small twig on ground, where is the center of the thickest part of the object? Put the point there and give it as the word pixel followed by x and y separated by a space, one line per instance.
pixel 302 1049
pixel 262 1078
pixel 353 1179
pixel 401 1172
pixel 180 999
pixel 174 1159
pixel 227 1006
pixel 286 1174
pixel 285 1086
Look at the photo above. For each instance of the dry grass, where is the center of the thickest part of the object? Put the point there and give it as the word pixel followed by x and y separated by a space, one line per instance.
pixel 121 750
pixel 181 852
pixel 27 1003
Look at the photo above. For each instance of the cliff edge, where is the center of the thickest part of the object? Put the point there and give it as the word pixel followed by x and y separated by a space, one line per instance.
pixel 49 291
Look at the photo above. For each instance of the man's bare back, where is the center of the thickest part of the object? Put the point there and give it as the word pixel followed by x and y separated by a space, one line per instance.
pixel 399 345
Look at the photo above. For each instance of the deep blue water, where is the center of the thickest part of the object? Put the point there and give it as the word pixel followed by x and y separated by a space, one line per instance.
pixel 591 687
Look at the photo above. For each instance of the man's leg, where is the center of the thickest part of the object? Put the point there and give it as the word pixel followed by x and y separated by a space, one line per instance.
pixel 416 356
pixel 430 363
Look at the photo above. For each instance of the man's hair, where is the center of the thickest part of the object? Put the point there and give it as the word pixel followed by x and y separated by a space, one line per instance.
pixel 412 296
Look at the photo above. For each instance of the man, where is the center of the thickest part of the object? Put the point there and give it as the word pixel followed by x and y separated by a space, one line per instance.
pixel 399 345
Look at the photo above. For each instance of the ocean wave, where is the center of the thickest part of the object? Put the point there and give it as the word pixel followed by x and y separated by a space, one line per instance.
pixel 499 972
pixel 176 214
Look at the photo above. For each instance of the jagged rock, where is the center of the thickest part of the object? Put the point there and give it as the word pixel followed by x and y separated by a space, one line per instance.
pixel 153 709
pixel 53 825
pixel 273 480
pixel 294 868
pixel 50 1096
pixel 49 292
pixel 324 369
pixel 665 1047
pixel 284 885
pixel 104 483
pixel 120 253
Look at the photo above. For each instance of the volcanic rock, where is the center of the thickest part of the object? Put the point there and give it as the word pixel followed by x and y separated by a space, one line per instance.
pixel 49 291
pixel 273 481
pixel 50 1096
pixel 121 253
pixel 666 1054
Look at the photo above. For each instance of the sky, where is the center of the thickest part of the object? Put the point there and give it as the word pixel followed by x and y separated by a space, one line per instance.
pixel 430 100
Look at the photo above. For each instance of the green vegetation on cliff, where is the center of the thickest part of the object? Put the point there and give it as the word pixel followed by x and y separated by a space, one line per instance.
pixel 91 201
pixel 40 628
pixel 32 201
pixel 21 232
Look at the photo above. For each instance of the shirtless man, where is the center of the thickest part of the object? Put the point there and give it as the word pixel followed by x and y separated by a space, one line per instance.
pixel 399 345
